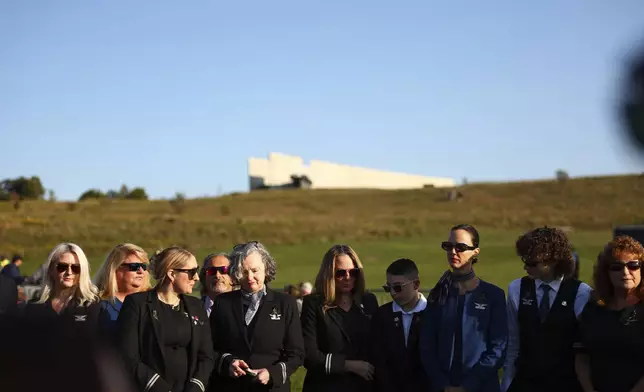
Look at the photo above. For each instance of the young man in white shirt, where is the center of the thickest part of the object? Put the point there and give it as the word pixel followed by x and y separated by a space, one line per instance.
pixel 396 329
pixel 543 310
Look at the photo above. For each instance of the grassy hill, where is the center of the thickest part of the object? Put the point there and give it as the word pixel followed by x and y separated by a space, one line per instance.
pixel 300 224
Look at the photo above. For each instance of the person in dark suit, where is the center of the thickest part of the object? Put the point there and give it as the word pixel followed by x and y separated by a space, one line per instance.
pixel 8 296
pixel 163 333
pixel 395 330
pixel 544 308
pixel 336 326
pixel 67 292
pixel 13 270
pixel 255 330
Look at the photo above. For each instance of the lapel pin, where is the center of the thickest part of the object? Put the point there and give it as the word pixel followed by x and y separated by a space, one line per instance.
pixel 154 315
pixel 564 303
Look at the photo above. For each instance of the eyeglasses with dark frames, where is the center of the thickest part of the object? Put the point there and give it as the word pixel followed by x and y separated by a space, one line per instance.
pixel 64 267
pixel 396 287
pixel 632 265
pixel 192 272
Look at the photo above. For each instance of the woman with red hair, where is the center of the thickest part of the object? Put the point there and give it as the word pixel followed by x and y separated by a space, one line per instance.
pixel 610 351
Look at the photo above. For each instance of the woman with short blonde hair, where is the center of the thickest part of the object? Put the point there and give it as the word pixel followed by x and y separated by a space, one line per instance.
pixel 67 290
pixel 164 333
pixel 124 272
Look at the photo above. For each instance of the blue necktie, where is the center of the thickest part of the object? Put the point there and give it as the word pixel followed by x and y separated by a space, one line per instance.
pixel 544 307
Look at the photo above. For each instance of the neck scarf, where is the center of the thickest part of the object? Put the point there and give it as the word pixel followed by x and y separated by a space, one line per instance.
pixel 253 299
pixel 440 292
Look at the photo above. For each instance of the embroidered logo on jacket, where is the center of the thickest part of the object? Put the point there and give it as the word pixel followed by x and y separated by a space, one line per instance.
pixel 275 314
pixel 80 318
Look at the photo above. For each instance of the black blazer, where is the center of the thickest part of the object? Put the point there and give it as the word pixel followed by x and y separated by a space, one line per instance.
pixel 79 317
pixel 275 343
pixel 398 367
pixel 8 296
pixel 326 341
pixel 140 340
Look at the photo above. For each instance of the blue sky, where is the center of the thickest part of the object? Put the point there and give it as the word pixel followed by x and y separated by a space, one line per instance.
pixel 175 96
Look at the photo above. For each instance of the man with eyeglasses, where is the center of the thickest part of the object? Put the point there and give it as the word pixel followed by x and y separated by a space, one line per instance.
pixel 543 311
pixel 396 328
pixel 215 278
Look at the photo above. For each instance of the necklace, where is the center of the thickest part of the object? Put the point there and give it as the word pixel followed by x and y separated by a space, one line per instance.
pixel 174 306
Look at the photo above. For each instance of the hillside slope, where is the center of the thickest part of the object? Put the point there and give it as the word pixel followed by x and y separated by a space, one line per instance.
pixel 297 216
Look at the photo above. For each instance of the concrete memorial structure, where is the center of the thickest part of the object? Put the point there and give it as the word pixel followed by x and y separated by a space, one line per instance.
pixel 281 170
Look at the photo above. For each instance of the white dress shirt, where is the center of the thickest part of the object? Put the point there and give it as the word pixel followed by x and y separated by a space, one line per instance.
pixel 407 316
pixel 514 290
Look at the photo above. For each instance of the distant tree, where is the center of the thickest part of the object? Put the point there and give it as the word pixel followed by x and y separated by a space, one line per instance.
pixel 92 194
pixel 112 194
pixel 562 175
pixel 52 195
pixel 25 188
pixel 178 203
pixel 137 194
pixel 124 192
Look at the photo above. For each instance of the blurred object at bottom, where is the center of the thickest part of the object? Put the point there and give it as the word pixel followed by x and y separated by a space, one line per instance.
pixel 41 355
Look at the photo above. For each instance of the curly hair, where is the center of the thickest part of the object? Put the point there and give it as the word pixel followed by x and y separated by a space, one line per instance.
pixel 619 246
pixel 549 246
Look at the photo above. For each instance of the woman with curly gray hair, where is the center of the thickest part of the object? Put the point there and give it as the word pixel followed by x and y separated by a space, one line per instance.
pixel 256 331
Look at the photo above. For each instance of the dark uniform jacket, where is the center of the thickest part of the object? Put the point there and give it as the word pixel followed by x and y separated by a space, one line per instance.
pixel 140 337
pixel 273 340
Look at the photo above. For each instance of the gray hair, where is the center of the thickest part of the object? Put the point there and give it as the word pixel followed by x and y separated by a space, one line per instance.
pixel 242 251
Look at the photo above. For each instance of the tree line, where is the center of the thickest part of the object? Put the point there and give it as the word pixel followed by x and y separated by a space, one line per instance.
pixel 31 188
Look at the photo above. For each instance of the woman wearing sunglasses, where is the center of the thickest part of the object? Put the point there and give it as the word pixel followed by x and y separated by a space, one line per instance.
pixel 124 272
pixel 67 290
pixel 215 278
pixel 336 326
pixel 464 332
pixel 610 351
pixel 163 333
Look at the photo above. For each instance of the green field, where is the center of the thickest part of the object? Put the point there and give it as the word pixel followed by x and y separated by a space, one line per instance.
pixel 298 226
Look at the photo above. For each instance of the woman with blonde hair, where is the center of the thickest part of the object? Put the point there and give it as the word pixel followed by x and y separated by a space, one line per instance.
pixel 124 272
pixel 163 333
pixel 336 325
pixel 66 289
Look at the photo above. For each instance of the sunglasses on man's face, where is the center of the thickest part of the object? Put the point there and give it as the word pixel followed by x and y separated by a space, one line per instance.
pixel 396 287
pixel 133 267
pixel 459 246
pixel 192 272
pixel 529 262
pixel 353 273
pixel 64 267
pixel 631 265
pixel 211 271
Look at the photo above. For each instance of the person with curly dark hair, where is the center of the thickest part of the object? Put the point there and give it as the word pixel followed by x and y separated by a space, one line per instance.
pixel 610 350
pixel 543 311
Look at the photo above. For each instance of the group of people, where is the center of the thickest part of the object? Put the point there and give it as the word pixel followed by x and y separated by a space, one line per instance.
pixel 551 332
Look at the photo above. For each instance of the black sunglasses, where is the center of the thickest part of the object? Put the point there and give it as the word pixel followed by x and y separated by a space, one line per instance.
pixel 63 267
pixel 353 272
pixel 631 265
pixel 396 287
pixel 133 267
pixel 191 272
pixel 460 247
pixel 529 263
pixel 211 271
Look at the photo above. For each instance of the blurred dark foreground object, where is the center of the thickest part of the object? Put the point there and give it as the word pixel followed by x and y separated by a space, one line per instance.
pixel 50 355
pixel 632 108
